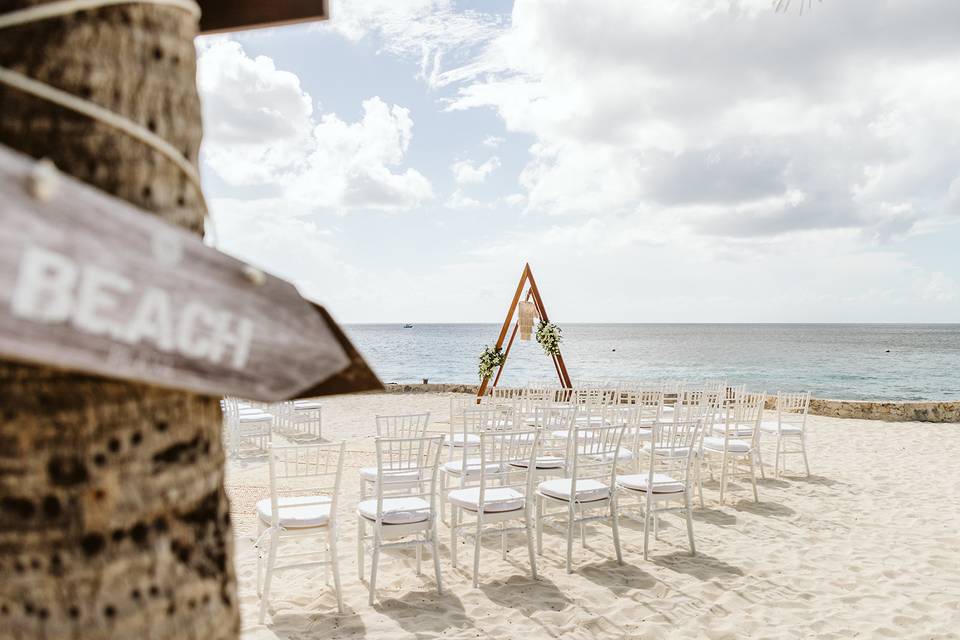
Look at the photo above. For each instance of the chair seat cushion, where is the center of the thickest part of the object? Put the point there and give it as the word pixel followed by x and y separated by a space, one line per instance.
pixel 297 512
pixel 676 452
pixel 563 434
pixel 623 455
pixel 587 490
pixel 370 473
pixel 397 510
pixel 455 467
pixel 260 416
pixel 542 462
pixel 714 443
pixel 788 429
pixel 662 483
pixel 735 431
pixel 495 499
pixel 306 404
pixel 459 439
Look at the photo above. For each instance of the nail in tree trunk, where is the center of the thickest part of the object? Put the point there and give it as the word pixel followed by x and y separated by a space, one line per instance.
pixel 113 518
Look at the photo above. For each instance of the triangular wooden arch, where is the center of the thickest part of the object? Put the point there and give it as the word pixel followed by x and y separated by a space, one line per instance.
pixel 532 293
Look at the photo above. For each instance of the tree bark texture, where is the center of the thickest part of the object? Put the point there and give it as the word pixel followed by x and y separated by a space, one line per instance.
pixel 113 518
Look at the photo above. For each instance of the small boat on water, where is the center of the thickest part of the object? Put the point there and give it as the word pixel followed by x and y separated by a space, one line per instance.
pixel 408 326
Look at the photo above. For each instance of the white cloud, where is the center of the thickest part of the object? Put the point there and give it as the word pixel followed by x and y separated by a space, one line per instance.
pixel 466 172
pixel 262 130
pixel 493 141
pixel 257 119
pixel 730 107
pixel 459 201
pixel 937 287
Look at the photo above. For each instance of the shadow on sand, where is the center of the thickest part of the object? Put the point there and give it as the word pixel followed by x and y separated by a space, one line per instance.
pixel 766 509
pixel 425 614
pixel 700 566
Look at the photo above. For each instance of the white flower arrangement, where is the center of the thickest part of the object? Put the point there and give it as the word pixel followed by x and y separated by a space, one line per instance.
pixel 548 335
pixel 490 360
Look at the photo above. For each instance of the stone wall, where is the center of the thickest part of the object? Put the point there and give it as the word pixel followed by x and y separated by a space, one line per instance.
pixel 945 411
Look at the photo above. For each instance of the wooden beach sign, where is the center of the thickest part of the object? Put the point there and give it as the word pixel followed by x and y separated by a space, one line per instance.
pixel 89 282
pixel 234 15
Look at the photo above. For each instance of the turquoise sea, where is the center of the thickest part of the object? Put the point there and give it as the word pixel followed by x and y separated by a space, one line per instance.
pixel 848 361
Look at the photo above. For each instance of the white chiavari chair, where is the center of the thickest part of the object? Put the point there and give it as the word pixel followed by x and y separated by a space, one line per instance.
pixel 403 511
pixel 666 485
pixel 501 493
pixel 410 425
pixel 738 441
pixel 789 428
pixel 590 487
pixel 304 490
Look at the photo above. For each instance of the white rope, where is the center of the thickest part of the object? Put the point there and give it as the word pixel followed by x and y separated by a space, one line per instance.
pixel 85 107
pixel 64 7
pixel 96 112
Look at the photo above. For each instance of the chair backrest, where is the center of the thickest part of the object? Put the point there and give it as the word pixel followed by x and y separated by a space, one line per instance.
pixel 412 425
pixel 507 393
pixel 792 408
pixel 593 453
pixel 407 467
pixel 459 402
pixel 650 402
pixel 231 410
pixel 497 450
pixel 743 417
pixel 625 414
pixel 672 448
pixel 304 470
pixel 500 417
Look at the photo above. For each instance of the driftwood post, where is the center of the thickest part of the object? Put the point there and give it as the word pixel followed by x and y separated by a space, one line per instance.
pixel 113 518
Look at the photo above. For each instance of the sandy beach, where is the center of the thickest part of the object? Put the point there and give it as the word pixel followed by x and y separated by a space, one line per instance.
pixel 868 546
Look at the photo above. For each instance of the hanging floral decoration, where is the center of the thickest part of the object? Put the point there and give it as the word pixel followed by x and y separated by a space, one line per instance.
pixel 490 360
pixel 548 335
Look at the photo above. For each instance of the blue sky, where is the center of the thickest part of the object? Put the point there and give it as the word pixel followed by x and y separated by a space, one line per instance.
pixel 710 161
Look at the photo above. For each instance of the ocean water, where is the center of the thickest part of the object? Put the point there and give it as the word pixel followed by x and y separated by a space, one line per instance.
pixel 847 361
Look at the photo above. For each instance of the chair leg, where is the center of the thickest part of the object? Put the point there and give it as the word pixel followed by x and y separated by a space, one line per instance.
pixel 760 457
pixel 776 464
pixel 539 519
pixel 686 500
pixel 374 561
pixel 533 556
pixel 503 542
pixel 443 497
pixel 419 552
pixel 803 450
pixel 335 566
pixel 271 560
pixel 436 556
pixel 753 479
pixel 259 561
pixel 723 476
pixel 570 525
pixel 454 518
pixel 476 551
pixel 361 534
pixel 700 481
pixel 615 525
pixel 646 529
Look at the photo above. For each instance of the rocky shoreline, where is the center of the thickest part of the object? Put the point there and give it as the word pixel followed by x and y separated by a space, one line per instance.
pixel 886 410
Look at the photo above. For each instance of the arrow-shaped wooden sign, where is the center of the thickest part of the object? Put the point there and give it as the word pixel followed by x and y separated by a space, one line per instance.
pixel 90 282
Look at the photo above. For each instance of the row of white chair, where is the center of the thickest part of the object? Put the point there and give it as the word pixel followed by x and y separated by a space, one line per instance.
pixel 249 425
pixel 512 459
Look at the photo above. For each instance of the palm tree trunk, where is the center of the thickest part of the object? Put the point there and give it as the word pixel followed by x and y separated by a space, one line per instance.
pixel 113 518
